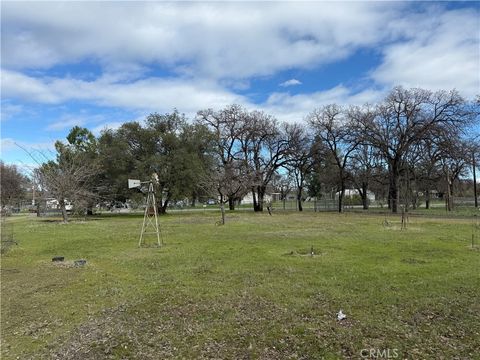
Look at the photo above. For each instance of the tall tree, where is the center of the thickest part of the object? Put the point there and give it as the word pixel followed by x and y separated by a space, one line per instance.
pixel 13 184
pixel 118 161
pixel 403 119
pixel 475 149
pixel 366 163
pixel 231 178
pixel 428 168
pixel 168 149
pixel 182 155
pixel 82 144
pixel 68 178
pixel 300 157
pixel 454 163
pixel 363 169
pixel 338 133
pixel 283 184
pixel 265 148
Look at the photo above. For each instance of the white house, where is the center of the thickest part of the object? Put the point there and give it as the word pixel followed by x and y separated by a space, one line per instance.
pixel 248 198
pixel 354 192
pixel 54 204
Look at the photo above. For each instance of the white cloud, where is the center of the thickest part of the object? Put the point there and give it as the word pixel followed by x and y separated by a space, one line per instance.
pixel 214 40
pixel 80 118
pixel 208 49
pixel 291 82
pixel 154 94
pixel 65 123
pixel 17 85
pixel 110 125
pixel 188 96
pixel 8 110
pixel 294 108
pixel 444 53
pixel 7 144
pixel 12 150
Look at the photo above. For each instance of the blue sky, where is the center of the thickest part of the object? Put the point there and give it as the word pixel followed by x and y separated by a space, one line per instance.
pixel 99 64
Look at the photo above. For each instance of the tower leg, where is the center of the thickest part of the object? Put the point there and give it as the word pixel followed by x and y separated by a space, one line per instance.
pixel 147 217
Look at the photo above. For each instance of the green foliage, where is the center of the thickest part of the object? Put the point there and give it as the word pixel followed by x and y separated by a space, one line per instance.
pixel 74 175
pixel 82 139
pixel 80 142
pixel 167 148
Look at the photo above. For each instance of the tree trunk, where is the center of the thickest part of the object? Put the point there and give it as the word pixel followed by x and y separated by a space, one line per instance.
pixel 299 198
pixel 364 195
pixel 393 188
pixel 222 208
pixel 254 199
pixel 341 195
pixel 450 204
pixel 162 209
pixel 258 207
pixel 64 211
pixel 427 199
pixel 231 203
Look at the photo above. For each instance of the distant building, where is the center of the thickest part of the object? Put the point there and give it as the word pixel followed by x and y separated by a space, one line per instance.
pixel 53 204
pixel 248 198
pixel 349 193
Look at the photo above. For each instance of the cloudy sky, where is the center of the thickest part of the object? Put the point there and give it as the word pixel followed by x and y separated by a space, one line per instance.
pixel 99 64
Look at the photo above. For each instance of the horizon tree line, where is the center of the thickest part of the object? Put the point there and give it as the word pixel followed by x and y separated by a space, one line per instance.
pixel 414 141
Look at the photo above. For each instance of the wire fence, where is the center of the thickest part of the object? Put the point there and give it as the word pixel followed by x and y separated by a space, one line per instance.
pixel 7 238
pixel 324 204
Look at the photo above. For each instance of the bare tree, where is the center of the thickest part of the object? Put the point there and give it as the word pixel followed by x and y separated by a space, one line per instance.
pixel 67 178
pixel 475 149
pixel 300 157
pixel 403 119
pixel 264 148
pixel 338 133
pixel 364 168
pixel 409 180
pixel 227 125
pixel 454 164
pixel 283 184
pixel 428 168
pixel 13 184
pixel 367 162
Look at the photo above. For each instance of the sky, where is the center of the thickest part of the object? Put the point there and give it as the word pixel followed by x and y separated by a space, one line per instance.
pixel 100 64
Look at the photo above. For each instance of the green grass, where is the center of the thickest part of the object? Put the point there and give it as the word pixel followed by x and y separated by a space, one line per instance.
pixel 249 289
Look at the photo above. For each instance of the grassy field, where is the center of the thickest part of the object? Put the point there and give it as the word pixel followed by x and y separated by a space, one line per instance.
pixel 249 289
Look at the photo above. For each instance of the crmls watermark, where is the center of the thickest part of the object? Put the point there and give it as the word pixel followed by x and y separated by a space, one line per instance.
pixel 379 353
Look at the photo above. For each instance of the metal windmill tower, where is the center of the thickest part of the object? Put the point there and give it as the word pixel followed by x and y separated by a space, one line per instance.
pixel 150 217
